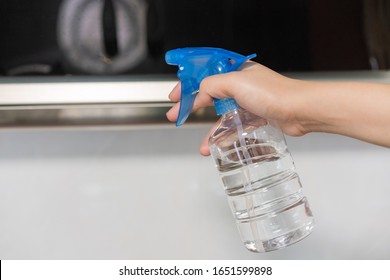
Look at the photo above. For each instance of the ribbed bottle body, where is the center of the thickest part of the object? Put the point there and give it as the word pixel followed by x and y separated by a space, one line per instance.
pixel 263 189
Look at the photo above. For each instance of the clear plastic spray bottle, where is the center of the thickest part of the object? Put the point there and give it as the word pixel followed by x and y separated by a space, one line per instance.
pixel 257 171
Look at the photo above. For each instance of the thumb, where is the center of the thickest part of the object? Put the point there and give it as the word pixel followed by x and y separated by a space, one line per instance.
pixel 216 86
pixel 222 85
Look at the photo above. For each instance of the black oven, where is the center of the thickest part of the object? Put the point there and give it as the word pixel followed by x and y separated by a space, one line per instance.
pixel 114 37
pixel 60 53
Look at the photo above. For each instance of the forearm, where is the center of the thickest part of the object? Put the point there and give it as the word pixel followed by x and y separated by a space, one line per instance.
pixel 358 110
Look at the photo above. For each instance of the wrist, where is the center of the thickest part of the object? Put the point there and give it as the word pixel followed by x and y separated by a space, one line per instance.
pixel 309 107
pixel 296 118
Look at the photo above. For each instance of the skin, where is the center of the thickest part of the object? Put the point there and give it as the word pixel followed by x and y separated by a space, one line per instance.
pixel 354 109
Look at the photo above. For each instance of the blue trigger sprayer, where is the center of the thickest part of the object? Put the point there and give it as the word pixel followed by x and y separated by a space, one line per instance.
pixel 195 64
pixel 257 170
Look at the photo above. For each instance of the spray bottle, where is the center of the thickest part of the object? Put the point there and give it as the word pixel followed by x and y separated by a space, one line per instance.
pixel 257 171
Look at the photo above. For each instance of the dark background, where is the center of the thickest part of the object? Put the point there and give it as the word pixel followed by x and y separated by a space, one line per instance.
pixel 287 35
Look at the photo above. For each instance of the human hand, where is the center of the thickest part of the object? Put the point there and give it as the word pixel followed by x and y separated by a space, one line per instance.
pixel 256 89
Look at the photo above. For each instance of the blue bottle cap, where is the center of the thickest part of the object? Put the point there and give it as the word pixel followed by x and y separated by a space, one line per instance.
pixel 226 105
pixel 195 64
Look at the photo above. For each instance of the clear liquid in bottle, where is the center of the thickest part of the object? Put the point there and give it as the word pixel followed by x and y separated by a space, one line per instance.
pixel 258 174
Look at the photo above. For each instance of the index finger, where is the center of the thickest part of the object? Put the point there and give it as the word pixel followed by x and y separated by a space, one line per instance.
pixel 174 96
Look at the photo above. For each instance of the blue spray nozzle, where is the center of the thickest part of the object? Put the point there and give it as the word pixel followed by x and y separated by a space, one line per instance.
pixel 195 64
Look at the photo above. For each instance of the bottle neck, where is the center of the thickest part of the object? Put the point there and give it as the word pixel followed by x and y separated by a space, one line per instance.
pixel 241 116
pixel 233 118
pixel 231 114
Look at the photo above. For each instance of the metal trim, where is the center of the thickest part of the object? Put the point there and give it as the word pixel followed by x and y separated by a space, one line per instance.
pixel 120 101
